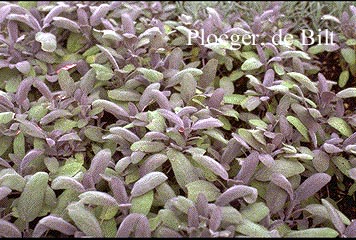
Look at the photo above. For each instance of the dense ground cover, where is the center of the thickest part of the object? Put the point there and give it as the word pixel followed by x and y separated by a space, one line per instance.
pixel 111 125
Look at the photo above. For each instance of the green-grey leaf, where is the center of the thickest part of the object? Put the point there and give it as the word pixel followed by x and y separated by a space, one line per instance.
pixel 347 93
pixel 349 55
pixel 193 71
pixel 188 87
pixel 63 200
pixel 94 133
pixel 252 229
pixel 6 117
pixel 299 126
pixel 323 232
pixel 75 42
pixel 84 220
pixel 109 228
pixel 31 200
pixel 304 80
pixel 19 145
pixel 231 215
pixel 66 82
pixel 235 99
pixel 64 182
pixel 97 198
pixel 321 211
pixel 184 171
pixel 142 204
pixel 48 41
pixel 251 64
pixel 103 73
pixel 255 212
pixel 10 178
pixel 342 164
pixel 343 78
pixel 126 95
pixel 340 125
pixel 210 191
pixel 147 146
pixel 297 54
pixel 169 219
pixel 287 168
pixel 151 74
pixel 147 183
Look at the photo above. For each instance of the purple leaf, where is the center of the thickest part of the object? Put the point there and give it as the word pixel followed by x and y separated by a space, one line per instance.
pixel 240 141
pixel 310 186
pixel 127 23
pixel 118 189
pixel 323 85
pixel 6 102
pixel 269 78
pixel 53 13
pixel 216 98
pixel 231 151
pixel 69 137
pixel 146 96
pixel 31 155
pixel 5 10
pixel 31 129
pixel 284 126
pixel 100 12
pixel 168 233
pixel 351 229
pixel 13 31
pixel 4 192
pixel 193 217
pixel 249 194
pixel 248 168
pixel 172 117
pixel 98 164
pixel 276 198
pixel 266 159
pixel 61 22
pixel 142 228
pixel 175 59
pixel 43 88
pixel 53 223
pixel 161 99
pixel 202 205
pixel 282 182
pixel 64 182
pixel 23 90
pixel 83 18
pixel 151 136
pixel 147 183
pixel 215 218
pixel 212 165
pixel 152 162
pixel 209 73
pixel 125 133
pixel 321 160
pixel 9 230
pixel 129 224
pixel 187 111
pixel 207 123
pixel 111 107
pixel 334 216
pixel 330 148
pixel 4 163
pixel 54 115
